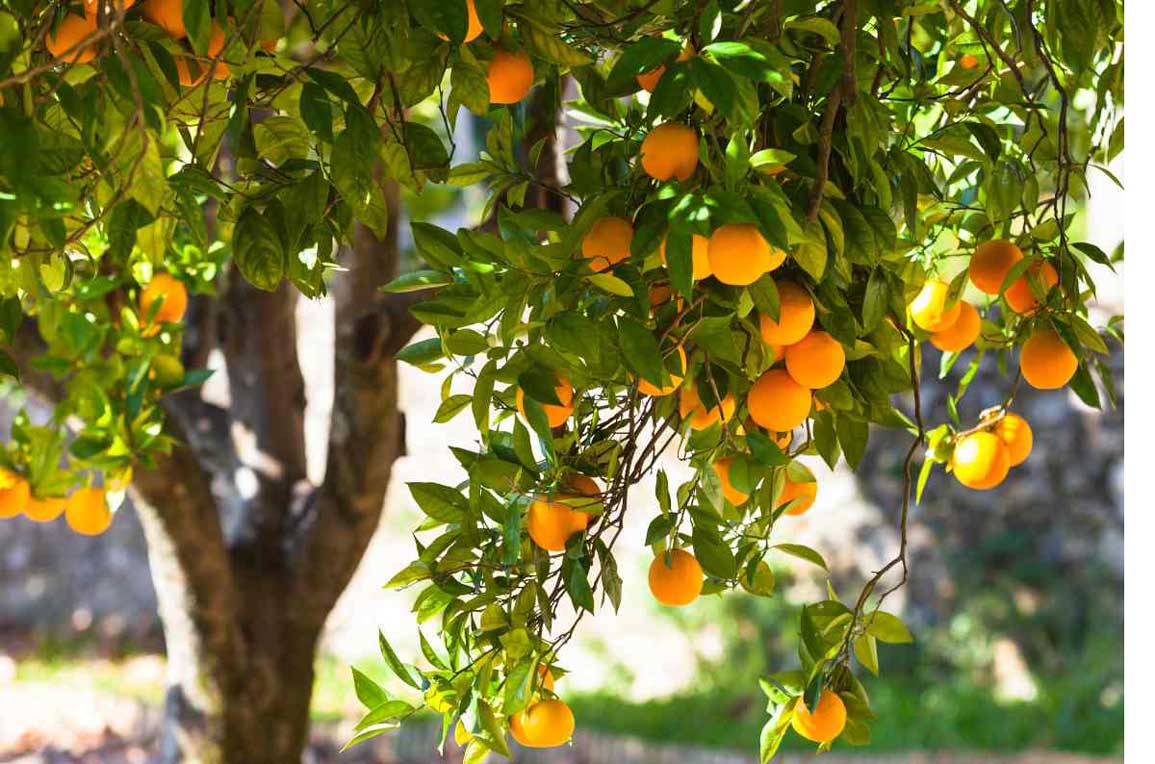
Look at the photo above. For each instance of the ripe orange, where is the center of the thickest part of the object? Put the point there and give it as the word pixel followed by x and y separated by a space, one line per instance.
pixel 220 70
pixel 556 414
pixel 543 724
pixel 777 402
pixel 739 255
pixel 967 61
pixel 980 460
pixel 795 316
pixel 827 721
pixel 551 523
pixel 607 242
pixel 184 74
pixel 670 151
pixel 732 494
pixel 1014 431
pixel 690 407
pixel 805 492
pixel 960 335
pixel 87 512
pixel 928 309
pixel 475 29
pixel 70 32
pixel 991 262
pixel 700 259
pixel 649 80
pixel 816 361
pixel 92 6
pixel 545 678
pixel 167 14
pixel 648 388
pixel 677 581
pixel 172 297
pixel 1019 296
pixel 510 76
pixel 44 510
pixel 14 493
pixel 1046 361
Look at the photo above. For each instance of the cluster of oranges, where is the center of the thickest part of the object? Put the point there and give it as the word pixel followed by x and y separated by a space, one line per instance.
pixel 86 511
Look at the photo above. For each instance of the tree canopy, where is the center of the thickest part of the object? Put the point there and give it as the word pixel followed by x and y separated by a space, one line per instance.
pixel 767 210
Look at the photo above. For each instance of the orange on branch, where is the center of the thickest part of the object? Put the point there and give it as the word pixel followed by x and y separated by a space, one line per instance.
pixel 510 76
pixel 968 61
pixel 91 7
pixel 732 494
pixel 1020 298
pixel 928 310
pixel 677 580
pixel 645 387
pixel 649 80
pixel 607 242
pixel 991 263
pixel 980 460
pixel 551 523
pixel 184 73
pixel 739 255
pixel 168 15
pixel 816 361
pixel 1046 361
pixel 691 408
pixel 72 30
pixel 170 297
pixel 14 493
pixel 777 402
pixel 699 256
pixel 87 512
pixel 474 30
pixel 805 492
pixel 825 723
pixel 670 151
pixel 556 413
pixel 962 333
pixel 44 510
pixel 544 724
pixel 1016 434
pixel 795 316
pixel 220 70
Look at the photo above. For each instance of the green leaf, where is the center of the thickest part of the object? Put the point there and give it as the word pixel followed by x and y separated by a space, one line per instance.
pixel 368 692
pixel 641 350
pixel 417 281
pixel 866 650
pixel 394 663
pixel 611 283
pixel 451 407
pixel 281 138
pixel 258 251
pixel 440 502
pixel 802 552
pixel 886 627
pixel 421 353
pixel 715 556
pixel 437 246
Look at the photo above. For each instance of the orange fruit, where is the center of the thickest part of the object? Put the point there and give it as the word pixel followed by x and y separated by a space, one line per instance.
pixel 607 242
pixel 991 262
pixel 827 721
pixel 670 151
pixel 980 460
pixel 962 333
pixel 649 80
pixel 677 581
pixel 87 512
pixel 14 493
pixel 648 388
pixel 555 414
pixel 168 15
pixel 967 61
pixel 44 510
pixel 777 402
pixel 172 297
pixel 690 407
pixel 804 491
pixel 816 361
pixel 1019 296
pixel 700 259
pixel 1016 434
pixel 220 70
pixel 795 316
pixel 543 724
pixel 551 523
pixel 545 677
pixel 92 6
pixel 1046 361
pixel 929 310
pixel 739 255
pixel 474 29
pixel 184 73
pixel 732 494
pixel 67 36
pixel 510 76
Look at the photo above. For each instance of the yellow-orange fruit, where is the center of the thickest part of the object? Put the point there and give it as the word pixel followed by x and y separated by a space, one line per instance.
pixel 929 310
pixel 220 70
pixel 827 721
pixel 980 460
pixel 1016 434
pixel 66 37
pixel 551 523
pixel 1019 296
pixel 732 494
pixel 184 72
pixel 44 510
pixel 510 76
pixel 92 6
pixel 168 15
pixel 87 512
pixel 962 333
pixel 967 61
pixel 739 255
pixel 804 491
pixel 691 408
pixel 172 297
pixel 543 724
pixel 795 316
pixel 699 255
pixel 816 361
pixel 545 678
pixel 648 388
pixel 1046 361
pixel 777 402
pixel 678 580
pixel 607 242
pixel 670 151
pixel 991 263
pixel 475 28
pixel 555 413
pixel 649 80
pixel 14 493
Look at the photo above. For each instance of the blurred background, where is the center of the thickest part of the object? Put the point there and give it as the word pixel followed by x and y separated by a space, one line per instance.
pixel 1015 598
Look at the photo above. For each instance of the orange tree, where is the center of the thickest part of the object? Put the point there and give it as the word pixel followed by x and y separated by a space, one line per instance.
pixel 767 210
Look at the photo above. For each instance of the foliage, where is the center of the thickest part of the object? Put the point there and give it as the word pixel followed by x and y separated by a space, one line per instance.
pixel 872 145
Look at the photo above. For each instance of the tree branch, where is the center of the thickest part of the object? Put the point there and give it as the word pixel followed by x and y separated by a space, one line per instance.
pixel 843 94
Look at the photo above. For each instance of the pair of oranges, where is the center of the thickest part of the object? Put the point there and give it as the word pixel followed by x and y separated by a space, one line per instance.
pixel 982 459
pixel 86 511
